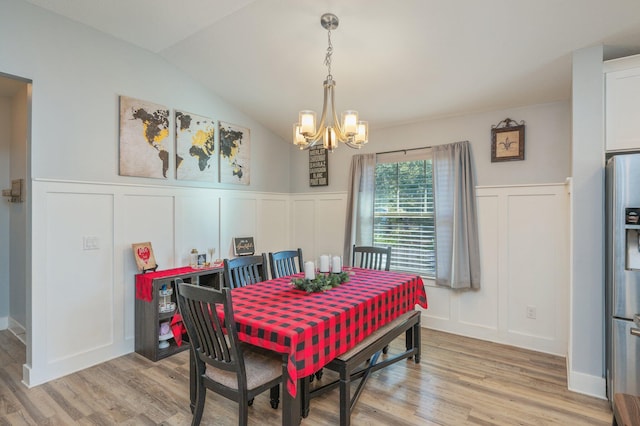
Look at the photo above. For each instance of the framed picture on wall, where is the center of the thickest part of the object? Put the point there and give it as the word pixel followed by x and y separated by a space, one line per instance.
pixel 195 147
pixel 507 141
pixel 235 153
pixel 318 166
pixel 145 148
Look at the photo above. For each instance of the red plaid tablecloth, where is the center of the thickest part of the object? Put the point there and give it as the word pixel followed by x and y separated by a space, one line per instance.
pixel 144 282
pixel 314 328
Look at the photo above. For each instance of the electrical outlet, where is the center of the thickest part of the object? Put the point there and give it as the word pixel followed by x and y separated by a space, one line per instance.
pixel 531 312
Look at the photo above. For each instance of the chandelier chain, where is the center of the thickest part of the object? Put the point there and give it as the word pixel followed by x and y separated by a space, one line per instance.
pixel 327 58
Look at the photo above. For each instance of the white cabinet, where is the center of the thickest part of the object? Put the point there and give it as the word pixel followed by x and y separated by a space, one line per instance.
pixel 622 104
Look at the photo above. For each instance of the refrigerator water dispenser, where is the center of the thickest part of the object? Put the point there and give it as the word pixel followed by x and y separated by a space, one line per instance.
pixel 633 249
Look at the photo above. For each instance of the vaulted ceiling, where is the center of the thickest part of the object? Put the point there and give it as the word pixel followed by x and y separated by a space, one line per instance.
pixel 394 61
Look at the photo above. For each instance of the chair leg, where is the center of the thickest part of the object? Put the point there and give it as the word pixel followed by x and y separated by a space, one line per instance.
pixel 243 414
pixel 417 342
pixel 385 349
pixel 274 394
pixel 319 374
pixel 201 392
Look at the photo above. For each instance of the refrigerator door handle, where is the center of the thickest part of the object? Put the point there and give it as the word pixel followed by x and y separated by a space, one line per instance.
pixel 636 319
pixel 635 332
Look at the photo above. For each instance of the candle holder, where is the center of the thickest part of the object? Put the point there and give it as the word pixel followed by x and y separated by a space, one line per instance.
pixel 321 282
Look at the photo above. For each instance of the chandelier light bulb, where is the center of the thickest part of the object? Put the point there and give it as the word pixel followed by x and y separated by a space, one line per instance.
pixel 362 136
pixel 298 137
pixel 350 122
pixel 307 122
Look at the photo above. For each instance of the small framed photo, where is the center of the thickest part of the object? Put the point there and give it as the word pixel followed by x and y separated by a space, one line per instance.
pixel 202 260
pixel 507 141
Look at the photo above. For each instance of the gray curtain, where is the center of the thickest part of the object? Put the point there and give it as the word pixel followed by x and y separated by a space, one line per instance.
pixel 457 246
pixel 359 222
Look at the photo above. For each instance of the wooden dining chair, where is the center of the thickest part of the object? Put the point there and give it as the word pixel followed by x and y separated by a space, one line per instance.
pixel 286 262
pixel 233 369
pixel 245 270
pixel 371 257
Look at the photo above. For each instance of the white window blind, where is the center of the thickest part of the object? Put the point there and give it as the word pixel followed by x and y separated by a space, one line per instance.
pixel 404 211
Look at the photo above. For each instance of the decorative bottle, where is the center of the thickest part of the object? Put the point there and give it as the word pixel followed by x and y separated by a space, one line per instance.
pixel 193 258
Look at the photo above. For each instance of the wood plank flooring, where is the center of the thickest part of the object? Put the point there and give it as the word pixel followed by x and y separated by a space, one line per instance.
pixel 460 381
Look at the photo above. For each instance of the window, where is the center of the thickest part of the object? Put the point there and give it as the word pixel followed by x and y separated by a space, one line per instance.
pixel 404 214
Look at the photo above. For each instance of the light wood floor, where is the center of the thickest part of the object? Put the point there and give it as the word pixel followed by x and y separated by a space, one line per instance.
pixel 460 381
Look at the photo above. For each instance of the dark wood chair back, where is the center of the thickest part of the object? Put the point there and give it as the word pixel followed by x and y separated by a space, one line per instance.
pixel 371 257
pixel 245 270
pixel 199 310
pixel 286 262
pixel 221 361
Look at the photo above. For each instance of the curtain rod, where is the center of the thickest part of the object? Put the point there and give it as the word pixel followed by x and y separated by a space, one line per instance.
pixel 402 150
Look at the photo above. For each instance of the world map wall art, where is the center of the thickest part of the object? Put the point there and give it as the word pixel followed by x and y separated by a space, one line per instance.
pixel 145 145
pixel 195 147
pixel 235 154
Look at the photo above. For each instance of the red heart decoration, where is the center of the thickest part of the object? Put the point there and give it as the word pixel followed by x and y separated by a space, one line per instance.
pixel 144 254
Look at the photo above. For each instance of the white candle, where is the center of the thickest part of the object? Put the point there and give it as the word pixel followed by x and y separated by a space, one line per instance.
pixel 324 263
pixel 336 265
pixel 309 270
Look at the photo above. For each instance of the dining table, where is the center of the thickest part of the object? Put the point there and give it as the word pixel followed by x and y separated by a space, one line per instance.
pixel 311 329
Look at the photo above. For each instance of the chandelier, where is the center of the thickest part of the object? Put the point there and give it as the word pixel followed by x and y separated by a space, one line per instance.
pixel 349 131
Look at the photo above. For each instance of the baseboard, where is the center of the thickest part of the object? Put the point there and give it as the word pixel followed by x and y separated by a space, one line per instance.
pixel 18 330
pixel 587 384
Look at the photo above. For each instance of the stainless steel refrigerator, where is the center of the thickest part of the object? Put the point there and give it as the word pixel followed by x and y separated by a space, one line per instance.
pixel 622 293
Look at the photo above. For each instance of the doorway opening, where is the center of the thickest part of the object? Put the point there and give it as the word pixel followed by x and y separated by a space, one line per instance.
pixel 15 182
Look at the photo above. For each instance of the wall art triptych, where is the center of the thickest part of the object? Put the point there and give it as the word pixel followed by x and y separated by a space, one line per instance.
pixel 146 148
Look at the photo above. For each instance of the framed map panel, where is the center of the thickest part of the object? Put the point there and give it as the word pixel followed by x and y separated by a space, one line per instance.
pixel 235 154
pixel 144 138
pixel 195 147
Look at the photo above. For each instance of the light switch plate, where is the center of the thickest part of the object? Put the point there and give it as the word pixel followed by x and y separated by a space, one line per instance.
pixel 90 243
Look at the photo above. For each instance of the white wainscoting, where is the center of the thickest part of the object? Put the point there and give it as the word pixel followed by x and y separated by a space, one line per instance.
pixel 317 223
pixel 83 300
pixel 524 238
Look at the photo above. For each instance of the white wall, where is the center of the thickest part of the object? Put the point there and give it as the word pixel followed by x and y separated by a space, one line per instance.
pixel 586 356
pixel 78 75
pixel 524 258
pixel 317 223
pixel 84 299
pixel 547 147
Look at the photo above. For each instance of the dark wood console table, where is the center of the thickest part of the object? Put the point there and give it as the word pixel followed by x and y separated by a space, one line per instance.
pixel 154 309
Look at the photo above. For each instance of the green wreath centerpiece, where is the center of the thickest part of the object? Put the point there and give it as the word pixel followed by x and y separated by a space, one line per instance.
pixel 322 282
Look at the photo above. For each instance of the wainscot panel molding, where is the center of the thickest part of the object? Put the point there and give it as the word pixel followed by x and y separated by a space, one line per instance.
pixel 318 222
pixel 82 287
pixel 524 240
pixel 523 237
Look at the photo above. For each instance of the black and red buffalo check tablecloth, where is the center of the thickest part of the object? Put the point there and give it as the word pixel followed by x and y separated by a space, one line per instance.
pixel 314 328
